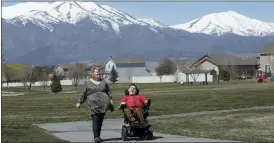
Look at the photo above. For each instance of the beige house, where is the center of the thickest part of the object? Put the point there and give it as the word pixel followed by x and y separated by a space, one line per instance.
pixel 267 58
pixel 237 66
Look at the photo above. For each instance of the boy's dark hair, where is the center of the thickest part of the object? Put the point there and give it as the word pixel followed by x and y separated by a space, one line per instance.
pixel 137 90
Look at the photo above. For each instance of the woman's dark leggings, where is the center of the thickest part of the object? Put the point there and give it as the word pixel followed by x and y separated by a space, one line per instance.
pixel 97 122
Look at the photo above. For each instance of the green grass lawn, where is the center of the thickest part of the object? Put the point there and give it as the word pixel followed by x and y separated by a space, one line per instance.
pixel 20 112
pixel 247 126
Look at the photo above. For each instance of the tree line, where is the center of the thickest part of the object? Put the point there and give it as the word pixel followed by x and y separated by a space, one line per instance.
pixel 28 75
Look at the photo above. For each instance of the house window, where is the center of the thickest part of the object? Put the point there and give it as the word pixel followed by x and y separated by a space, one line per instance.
pixel 267 68
pixel 109 66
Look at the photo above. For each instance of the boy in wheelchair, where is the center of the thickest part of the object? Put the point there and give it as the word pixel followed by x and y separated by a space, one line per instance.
pixel 135 107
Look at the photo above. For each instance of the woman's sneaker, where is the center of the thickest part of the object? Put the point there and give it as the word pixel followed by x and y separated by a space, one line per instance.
pixel 98 140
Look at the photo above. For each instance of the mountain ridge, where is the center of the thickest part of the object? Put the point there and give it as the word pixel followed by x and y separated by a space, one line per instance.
pixel 220 23
pixel 227 22
pixel 96 37
pixel 72 13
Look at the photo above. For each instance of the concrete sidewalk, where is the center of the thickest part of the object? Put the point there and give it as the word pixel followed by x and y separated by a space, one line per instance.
pixel 82 132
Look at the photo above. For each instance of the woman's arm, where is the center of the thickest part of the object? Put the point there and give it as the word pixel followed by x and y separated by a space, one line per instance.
pixel 108 91
pixel 83 96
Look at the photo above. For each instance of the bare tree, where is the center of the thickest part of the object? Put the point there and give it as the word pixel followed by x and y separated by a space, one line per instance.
pixel 230 67
pixel 176 77
pixel 166 67
pixel 194 76
pixel 30 75
pixel 8 74
pixel 23 76
pixel 193 73
pixel 77 73
pixel 44 80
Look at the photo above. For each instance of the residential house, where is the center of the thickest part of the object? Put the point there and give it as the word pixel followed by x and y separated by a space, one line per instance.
pixel 65 69
pixel 236 66
pixel 267 58
pixel 126 68
pixel 187 75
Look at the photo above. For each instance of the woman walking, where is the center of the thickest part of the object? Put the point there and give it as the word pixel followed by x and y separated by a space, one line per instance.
pixel 98 96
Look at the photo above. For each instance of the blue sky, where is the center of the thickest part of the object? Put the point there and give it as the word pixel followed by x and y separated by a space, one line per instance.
pixel 171 13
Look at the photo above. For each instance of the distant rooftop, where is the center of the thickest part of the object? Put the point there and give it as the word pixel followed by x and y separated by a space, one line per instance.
pixel 128 60
pixel 225 59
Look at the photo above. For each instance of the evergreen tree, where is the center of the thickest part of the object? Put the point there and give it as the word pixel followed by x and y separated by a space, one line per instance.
pixel 113 75
pixel 55 84
pixel 226 76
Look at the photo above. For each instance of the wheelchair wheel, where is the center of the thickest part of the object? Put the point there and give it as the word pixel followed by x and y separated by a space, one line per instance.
pixel 149 134
pixel 124 133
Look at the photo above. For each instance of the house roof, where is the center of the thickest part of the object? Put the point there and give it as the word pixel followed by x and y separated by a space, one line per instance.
pixel 66 66
pixel 95 64
pixel 268 48
pixel 198 71
pixel 128 60
pixel 185 62
pixel 72 65
pixel 225 59
pixel 47 69
pixel 187 70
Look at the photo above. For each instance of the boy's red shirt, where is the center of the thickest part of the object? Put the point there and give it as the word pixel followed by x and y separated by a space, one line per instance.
pixel 133 101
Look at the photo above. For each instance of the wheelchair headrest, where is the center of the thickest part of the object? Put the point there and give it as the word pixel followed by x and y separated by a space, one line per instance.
pixel 127 93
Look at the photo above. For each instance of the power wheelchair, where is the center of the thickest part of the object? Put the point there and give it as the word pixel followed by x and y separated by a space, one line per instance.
pixel 130 130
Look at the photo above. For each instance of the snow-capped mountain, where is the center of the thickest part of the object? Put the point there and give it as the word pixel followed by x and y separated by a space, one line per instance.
pixel 22 8
pixel 153 22
pixel 62 32
pixel 45 14
pixel 227 23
